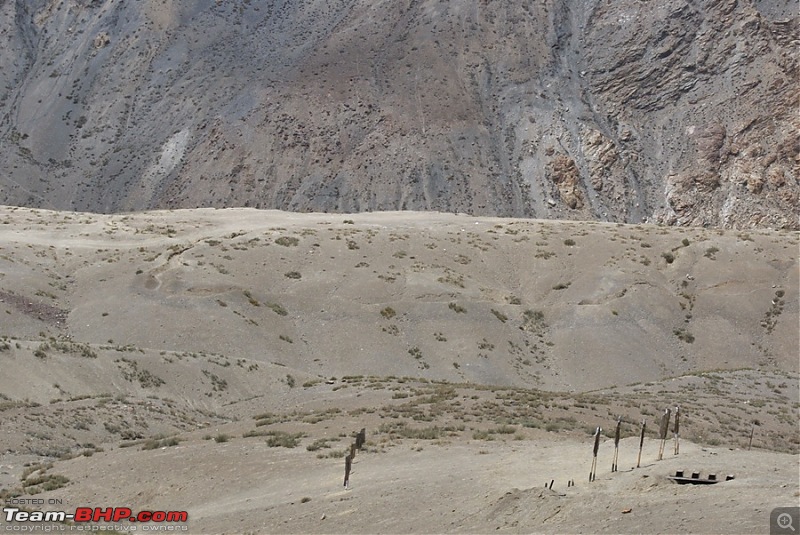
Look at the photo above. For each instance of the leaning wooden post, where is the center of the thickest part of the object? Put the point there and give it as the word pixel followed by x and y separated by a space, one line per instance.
pixel 641 443
pixel 663 432
pixel 616 445
pixel 594 455
pixel 752 430
pixel 348 464
pixel 676 430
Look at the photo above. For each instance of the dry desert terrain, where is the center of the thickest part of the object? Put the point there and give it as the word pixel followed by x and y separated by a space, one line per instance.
pixel 221 361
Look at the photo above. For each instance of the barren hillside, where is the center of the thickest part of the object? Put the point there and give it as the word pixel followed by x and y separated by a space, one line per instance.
pixel 146 355
pixel 682 112
pixel 491 301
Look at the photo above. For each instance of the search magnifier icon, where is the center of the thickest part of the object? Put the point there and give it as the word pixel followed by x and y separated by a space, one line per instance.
pixel 785 521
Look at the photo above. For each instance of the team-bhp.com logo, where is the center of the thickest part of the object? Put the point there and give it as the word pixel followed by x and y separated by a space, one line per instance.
pixel 98 514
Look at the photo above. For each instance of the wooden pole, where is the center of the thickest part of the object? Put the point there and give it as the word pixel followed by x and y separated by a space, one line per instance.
pixel 641 443
pixel 593 471
pixel 752 430
pixel 348 464
pixel 616 445
pixel 676 430
pixel 663 432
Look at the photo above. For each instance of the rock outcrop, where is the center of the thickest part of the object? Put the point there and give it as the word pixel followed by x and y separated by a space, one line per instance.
pixel 676 112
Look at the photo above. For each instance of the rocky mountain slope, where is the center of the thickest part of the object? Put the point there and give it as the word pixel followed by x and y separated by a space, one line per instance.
pixel 681 111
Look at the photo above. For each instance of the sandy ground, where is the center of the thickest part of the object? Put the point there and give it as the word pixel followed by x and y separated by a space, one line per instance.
pixel 456 487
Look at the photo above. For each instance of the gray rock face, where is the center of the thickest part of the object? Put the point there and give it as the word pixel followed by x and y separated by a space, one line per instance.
pixel 682 112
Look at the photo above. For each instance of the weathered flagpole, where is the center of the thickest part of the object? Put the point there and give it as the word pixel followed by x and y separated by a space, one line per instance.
pixel 616 445
pixel 594 456
pixel 641 443
pixel 663 432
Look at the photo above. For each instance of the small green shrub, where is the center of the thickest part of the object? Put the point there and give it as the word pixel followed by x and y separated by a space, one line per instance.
pixel 282 439
pixel 485 345
pixel 44 483
pixel 319 444
pixel 457 308
pixel 278 309
pixel 156 443
pixel 287 241
pixel 684 335
pixel 499 315
pixel 482 435
pixel 533 316
pixel 253 301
